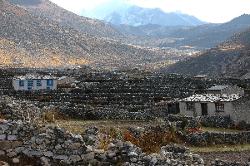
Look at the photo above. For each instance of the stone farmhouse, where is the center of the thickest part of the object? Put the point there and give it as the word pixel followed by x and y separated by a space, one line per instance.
pixel 219 100
pixel 34 83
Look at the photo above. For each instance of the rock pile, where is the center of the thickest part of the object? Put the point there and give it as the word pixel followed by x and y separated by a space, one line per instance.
pixel 53 145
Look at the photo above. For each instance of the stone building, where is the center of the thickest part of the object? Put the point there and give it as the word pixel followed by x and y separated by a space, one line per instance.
pixel 219 100
pixel 207 104
pixel 34 82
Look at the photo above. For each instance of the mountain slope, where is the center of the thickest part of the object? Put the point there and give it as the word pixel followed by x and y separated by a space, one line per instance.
pixel 232 58
pixel 137 16
pixel 32 41
pixel 201 37
pixel 47 9
pixel 210 35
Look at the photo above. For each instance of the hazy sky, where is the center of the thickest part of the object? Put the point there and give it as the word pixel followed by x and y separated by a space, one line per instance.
pixel 216 11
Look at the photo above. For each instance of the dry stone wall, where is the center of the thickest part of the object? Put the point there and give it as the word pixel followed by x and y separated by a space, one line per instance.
pixel 216 138
pixel 51 145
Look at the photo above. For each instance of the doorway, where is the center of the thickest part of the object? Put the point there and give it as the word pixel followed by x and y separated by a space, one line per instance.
pixel 204 111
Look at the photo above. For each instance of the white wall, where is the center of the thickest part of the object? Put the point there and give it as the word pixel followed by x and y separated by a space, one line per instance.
pixel 44 86
pixel 228 109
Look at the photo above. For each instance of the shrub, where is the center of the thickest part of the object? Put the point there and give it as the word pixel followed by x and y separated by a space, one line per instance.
pixel 104 142
pixel 152 141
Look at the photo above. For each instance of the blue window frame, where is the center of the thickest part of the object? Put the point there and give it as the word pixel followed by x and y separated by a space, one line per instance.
pixel 30 83
pixel 38 83
pixel 50 82
pixel 21 82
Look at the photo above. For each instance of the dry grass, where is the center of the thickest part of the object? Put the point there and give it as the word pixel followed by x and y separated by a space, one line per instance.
pixel 151 142
pixel 50 116
pixel 78 126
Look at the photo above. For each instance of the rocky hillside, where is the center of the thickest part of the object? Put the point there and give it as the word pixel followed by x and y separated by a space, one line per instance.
pixel 47 9
pixel 33 41
pixel 232 58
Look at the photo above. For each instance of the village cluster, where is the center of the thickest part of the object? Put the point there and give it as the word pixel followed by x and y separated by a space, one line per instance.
pixel 219 100
pixel 180 106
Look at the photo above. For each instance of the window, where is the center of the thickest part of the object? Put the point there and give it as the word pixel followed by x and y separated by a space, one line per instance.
pixel 21 82
pixel 190 106
pixel 219 107
pixel 38 83
pixel 30 83
pixel 50 82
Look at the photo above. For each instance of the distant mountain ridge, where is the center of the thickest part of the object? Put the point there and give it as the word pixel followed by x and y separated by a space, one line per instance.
pixel 231 58
pixel 209 35
pixel 200 37
pixel 137 16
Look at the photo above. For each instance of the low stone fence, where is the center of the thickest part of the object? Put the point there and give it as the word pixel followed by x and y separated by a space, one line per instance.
pixel 11 108
pixel 217 121
pixel 207 121
pixel 54 146
pixel 183 121
pixel 51 145
pixel 215 138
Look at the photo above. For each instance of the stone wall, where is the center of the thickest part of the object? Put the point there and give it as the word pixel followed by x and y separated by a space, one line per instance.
pixel 217 121
pixel 215 138
pixel 54 146
pixel 51 145
pixel 242 110
pixel 208 121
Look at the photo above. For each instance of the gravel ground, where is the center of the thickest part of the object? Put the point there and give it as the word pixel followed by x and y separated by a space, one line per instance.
pixel 242 157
